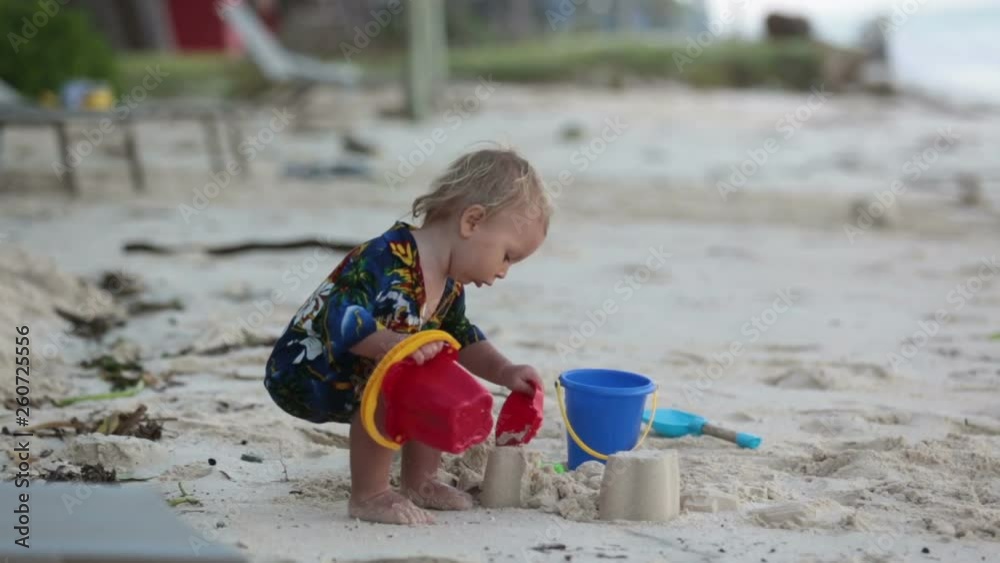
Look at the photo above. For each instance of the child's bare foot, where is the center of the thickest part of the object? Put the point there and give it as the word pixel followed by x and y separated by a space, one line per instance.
pixel 389 507
pixel 438 496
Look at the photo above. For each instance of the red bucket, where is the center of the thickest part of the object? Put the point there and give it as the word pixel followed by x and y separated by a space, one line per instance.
pixel 439 403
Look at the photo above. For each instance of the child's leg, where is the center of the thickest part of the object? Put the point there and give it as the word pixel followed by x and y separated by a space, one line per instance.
pixel 419 480
pixel 371 498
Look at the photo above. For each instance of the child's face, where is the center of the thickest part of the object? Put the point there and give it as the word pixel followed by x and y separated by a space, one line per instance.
pixel 488 246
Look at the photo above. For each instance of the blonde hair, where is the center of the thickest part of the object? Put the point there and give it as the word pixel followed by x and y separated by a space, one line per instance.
pixel 493 178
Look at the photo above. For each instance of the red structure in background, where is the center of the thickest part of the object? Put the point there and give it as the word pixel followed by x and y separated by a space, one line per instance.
pixel 196 25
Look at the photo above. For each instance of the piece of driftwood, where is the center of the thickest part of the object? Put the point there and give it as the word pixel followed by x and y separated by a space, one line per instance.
pixel 225 250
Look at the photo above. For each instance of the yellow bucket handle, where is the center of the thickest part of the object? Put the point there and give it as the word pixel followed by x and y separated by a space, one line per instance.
pixel 579 442
pixel 399 352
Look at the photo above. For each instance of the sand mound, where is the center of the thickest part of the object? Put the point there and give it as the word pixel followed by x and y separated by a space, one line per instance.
pixel 742 417
pixel 837 424
pixel 188 472
pixel 130 457
pixel 409 560
pixel 325 489
pixel 840 422
pixel 951 485
pixel 31 289
pixel 820 513
pixel 838 376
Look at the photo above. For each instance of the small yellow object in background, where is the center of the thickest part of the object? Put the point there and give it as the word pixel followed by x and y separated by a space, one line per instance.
pixel 48 99
pixel 99 98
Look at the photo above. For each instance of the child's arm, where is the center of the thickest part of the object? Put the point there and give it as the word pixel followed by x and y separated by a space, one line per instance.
pixel 481 358
pixel 484 360
pixel 378 343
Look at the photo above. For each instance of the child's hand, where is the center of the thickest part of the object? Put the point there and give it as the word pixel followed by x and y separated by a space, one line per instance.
pixel 521 379
pixel 427 351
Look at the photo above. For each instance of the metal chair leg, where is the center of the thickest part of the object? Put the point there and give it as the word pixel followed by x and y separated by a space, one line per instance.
pixel 69 172
pixel 134 162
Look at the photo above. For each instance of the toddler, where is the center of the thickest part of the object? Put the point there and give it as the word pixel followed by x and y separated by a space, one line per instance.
pixel 488 211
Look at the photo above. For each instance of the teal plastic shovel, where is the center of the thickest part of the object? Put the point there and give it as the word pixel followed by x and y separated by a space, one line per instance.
pixel 673 423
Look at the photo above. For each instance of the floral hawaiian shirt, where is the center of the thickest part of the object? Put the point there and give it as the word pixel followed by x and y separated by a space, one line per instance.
pixel 379 285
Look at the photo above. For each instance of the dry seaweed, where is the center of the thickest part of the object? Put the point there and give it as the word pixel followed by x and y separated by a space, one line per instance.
pixel 249 341
pixel 113 371
pixel 136 423
pixel 121 284
pixel 93 327
pixel 148 307
pixel 87 474
pixel 107 362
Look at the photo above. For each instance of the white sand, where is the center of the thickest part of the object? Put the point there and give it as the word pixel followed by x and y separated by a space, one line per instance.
pixel 32 287
pixel 860 461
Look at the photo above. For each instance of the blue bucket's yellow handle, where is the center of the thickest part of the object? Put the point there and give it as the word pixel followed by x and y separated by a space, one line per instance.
pixel 576 438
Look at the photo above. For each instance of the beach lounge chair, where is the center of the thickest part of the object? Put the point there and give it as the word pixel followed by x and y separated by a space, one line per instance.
pixel 8 95
pixel 277 64
pixel 16 111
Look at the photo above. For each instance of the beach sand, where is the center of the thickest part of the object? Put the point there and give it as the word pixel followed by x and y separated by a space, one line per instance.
pixel 869 367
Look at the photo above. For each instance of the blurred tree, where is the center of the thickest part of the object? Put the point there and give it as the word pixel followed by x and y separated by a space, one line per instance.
pixel 49 50
pixel 468 23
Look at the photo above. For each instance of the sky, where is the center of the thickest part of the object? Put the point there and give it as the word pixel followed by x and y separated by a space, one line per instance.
pixel 950 47
pixel 841 12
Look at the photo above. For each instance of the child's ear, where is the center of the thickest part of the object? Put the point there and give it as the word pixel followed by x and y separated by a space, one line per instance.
pixel 471 218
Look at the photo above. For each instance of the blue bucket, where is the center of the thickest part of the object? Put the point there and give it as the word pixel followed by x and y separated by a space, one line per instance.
pixel 604 409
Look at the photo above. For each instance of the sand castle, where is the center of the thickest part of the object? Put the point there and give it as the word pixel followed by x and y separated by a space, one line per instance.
pixel 639 485
pixel 504 474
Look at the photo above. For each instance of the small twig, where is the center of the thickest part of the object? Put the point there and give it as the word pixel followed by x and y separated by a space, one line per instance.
pixel 102 396
pixel 54 424
pixel 281 460
pixel 249 341
pixel 146 307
